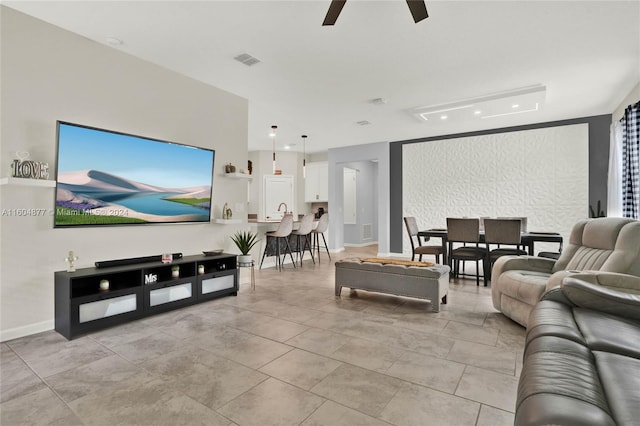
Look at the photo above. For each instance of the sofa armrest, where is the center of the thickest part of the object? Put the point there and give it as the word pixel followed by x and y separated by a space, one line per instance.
pixel 527 263
pixel 555 280
pixel 603 299
pixel 613 280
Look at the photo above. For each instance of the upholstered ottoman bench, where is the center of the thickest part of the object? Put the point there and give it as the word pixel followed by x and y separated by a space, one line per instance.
pixel 424 282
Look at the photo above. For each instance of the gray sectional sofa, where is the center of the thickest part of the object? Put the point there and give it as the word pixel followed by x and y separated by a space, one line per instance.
pixel 581 362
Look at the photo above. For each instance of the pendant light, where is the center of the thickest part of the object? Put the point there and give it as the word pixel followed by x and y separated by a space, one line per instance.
pixel 273 138
pixel 304 157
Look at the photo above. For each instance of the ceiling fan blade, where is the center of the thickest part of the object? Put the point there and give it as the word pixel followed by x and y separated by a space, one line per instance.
pixel 334 11
pixel 418 10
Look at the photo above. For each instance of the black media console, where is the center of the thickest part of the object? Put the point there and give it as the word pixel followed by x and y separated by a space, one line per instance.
pixel 137 291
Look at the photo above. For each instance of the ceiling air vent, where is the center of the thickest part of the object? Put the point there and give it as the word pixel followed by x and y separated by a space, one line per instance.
pixel 247 59
pixel 363 122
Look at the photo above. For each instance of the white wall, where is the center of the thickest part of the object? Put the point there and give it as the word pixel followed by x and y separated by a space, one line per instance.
pixel 630 99
pixel 338 158
pixel 49 74
pixel 542 174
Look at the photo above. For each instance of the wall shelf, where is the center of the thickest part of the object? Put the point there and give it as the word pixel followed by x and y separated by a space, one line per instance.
pixel 28 182
pixel 227 221
pixel 238 176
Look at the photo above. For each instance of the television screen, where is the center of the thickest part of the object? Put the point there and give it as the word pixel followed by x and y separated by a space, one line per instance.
pixel 112 178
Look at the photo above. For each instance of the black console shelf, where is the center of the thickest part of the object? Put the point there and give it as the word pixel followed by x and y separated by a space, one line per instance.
pixel 138 290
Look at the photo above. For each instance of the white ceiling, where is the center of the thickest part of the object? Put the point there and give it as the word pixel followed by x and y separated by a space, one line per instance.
pixel 320 81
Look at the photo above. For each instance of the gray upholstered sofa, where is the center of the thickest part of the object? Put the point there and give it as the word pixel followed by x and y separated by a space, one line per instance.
pixel 581 363
pixel 602 244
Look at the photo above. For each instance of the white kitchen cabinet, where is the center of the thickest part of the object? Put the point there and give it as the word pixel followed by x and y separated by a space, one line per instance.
pixel 316 184
pixel 277 189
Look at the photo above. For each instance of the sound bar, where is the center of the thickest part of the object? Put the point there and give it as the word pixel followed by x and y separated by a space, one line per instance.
pixel 133 260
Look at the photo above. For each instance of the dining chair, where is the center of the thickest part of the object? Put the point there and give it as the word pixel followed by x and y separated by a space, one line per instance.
pixel 320 229
pixel 466 231
pixel 304 230
pixel 416 247
pixel 502 232
pixel 275 237
pixel 522 219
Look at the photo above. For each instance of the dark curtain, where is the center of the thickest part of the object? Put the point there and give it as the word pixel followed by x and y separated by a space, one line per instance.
pixel 631 161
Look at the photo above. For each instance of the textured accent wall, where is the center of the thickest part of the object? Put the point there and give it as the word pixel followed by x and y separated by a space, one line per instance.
pixel 542 174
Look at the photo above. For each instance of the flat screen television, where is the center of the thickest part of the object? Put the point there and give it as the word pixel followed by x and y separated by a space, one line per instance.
pixel 106 178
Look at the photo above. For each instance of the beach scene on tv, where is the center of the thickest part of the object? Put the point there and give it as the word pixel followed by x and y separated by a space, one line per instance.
pixel 107 178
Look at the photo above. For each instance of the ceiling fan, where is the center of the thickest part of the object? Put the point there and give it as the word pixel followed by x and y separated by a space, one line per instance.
pixel 418 10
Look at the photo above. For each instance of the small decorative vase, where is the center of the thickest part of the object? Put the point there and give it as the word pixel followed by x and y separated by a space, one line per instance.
pixel 104 285
pixel 175 272
pixel 244 258
pixel 201 269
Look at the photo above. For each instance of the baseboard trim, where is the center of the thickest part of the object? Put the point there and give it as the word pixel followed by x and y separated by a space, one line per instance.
pixel 26 330
pixel 371 243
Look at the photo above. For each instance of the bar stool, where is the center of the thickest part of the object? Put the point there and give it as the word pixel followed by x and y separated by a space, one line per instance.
pixel 304 230
pixel 284 230
pixel 321 228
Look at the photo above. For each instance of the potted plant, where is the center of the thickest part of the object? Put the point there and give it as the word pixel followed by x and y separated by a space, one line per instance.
pixel 245 240
pixel 175 271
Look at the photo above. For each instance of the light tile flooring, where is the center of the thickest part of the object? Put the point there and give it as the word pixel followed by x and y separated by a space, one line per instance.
pixel 289 354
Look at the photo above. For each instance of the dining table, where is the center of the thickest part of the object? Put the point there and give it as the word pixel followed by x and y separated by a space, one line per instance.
pixel 528 239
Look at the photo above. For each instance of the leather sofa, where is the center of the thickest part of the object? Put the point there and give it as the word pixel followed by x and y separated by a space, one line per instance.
pixel 602 244
pixel 581 363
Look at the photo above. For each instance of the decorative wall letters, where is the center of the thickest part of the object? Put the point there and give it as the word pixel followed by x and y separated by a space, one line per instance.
pixel 25 168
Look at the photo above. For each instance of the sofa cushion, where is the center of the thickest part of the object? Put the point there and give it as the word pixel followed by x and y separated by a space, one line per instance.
pixel 603 233
pixel 550 318
pixel 542 343
pixel 587 258
pixel 526 286
pixel 596 328
pixel 621 383
pixel 562 389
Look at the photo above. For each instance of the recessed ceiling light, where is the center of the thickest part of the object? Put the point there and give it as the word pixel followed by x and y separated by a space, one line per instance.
pixel 443 117
pixel 514 106
pixel 287 147
pixel 477 112
pixel 535 108
pixel 114 41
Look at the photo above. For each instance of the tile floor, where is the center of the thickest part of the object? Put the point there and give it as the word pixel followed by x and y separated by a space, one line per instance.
pixel 289 354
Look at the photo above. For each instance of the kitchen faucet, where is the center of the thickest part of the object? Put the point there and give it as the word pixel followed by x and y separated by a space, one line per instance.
pixel 285 208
